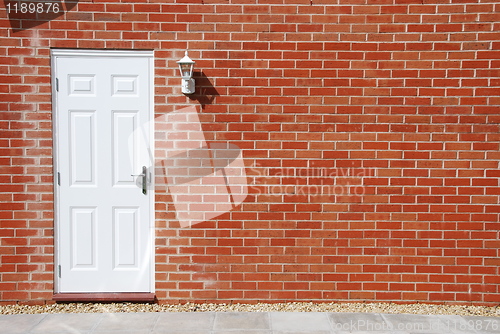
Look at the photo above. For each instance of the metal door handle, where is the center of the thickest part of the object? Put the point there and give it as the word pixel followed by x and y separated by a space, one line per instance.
pixel 144 176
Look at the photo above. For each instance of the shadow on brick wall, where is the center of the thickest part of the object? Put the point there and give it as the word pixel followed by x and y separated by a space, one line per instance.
pixel 205 91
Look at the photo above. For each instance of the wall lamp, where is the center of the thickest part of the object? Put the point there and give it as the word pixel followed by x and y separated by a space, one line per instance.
pixel 186 66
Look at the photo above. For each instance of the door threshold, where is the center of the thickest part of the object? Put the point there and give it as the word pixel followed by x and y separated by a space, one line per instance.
pixel 137 297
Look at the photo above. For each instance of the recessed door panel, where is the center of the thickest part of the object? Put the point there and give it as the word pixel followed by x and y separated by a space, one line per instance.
pixel 81 85
pixel 124 85
pixel 82 148
pixel 126 237
pixel 125 146
pixel 83 238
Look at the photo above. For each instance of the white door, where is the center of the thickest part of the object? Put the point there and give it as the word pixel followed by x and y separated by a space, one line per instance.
pixel 104 215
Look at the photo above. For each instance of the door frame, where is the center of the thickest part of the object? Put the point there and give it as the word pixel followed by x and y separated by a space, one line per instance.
pixel 75 53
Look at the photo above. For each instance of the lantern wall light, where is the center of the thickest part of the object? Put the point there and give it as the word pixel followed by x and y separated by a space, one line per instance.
pixel 186 66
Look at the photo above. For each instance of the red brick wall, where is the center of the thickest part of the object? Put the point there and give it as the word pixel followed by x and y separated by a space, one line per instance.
pixel 395 102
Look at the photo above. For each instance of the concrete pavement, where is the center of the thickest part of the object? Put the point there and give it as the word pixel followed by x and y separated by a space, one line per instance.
pixel 246 323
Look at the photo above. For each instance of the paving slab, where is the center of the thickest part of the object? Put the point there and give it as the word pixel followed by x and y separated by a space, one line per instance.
pixel 122 331
pixel 372 332
pixel 239 331
pixel 139 322
pixel 19 323
pixel 192 331
pixel 297 322
pixel 178 331
pixel 242 320
pixel 246 323
pixel 176 322
pixel 67 323
pixel 302 332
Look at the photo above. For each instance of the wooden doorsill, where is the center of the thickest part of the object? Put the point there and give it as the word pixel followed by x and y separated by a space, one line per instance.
pixel 142 297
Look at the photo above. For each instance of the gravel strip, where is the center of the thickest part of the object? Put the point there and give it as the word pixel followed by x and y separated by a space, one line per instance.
pixel 261 307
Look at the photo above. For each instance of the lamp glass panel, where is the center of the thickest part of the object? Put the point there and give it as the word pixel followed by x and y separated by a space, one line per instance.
pixel 186 70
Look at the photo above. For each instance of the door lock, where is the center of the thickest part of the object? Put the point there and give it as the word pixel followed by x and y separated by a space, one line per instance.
pixel 144 176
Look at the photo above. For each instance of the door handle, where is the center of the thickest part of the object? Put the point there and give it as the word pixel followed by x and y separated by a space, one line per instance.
pixel 144 176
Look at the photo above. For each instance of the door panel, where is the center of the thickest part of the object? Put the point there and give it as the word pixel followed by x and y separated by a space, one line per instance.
pixel 125 237
pixel 82 148
pixel 83 238
pixel 125 146
pixel 104 220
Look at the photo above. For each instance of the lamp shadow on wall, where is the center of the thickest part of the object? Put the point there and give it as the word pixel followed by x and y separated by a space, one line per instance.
pixel 205 91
